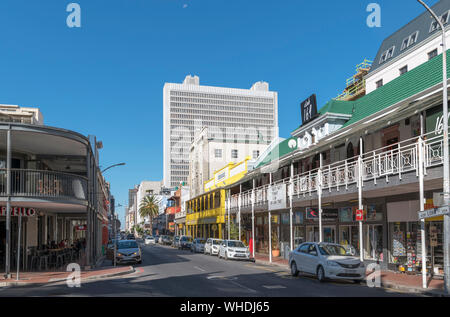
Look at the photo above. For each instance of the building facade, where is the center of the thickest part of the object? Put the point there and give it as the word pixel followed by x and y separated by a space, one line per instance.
pixel 208 154
pixel 229 114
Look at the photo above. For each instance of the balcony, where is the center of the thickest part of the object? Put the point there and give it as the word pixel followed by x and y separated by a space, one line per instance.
pixel 44 184
pixel 397 160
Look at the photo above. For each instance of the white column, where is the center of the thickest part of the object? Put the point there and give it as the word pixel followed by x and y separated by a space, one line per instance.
pixel 360 181
pixel 270 224
pixel 291 193
pixel 420 146
pixel 229 207
pixel 253 219
pixel 319 195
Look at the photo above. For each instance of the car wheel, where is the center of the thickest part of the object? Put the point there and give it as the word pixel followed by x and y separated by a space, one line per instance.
pixel 140 262
pixel 294 270
pixel 226 256
pixel 320 274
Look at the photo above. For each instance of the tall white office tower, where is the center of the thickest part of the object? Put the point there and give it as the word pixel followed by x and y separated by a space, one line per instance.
pixel 230 114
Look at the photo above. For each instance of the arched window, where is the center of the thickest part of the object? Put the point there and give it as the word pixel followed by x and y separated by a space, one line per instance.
pixel 350 151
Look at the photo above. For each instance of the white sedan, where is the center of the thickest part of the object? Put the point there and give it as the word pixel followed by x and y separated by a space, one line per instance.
pixel 212 246
pixel 326 261
pixel 233 249
pixel 149 240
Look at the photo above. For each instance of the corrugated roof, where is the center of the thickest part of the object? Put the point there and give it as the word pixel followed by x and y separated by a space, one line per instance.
pixel 281 149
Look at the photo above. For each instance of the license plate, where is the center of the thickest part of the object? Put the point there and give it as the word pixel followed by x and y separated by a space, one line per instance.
pixel 240 255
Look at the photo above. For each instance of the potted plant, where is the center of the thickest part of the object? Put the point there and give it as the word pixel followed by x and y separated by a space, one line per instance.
pixel 275 245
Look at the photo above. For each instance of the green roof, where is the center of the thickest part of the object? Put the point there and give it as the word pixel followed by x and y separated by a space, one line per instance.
pixel 337 106
pixel 278 151
pixel 416 80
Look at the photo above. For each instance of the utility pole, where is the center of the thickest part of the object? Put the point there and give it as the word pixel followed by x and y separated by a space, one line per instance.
pixel 446 176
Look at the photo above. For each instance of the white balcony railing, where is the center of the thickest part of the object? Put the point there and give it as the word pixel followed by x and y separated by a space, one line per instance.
pixel 393 160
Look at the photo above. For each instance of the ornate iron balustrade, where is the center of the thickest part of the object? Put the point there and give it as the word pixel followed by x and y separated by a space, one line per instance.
pixel 388 161
pixel 46 184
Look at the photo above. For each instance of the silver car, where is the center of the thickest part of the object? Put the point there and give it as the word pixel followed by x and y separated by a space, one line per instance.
pixel 212 246
pixel 198 245
pixel 128 251
pixel 233 249
pixel 326 261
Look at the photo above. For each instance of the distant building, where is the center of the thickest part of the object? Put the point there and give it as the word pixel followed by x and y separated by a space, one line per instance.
pixel 16 114
pixel 230 114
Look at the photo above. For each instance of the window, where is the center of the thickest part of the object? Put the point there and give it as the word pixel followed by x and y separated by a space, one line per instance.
pixel 387 54
pixel 403 70
pixel 379 83
pixel 434 25
pixel 255 154
pixel 234 153
pixel 410 40
pixel 218 153
pixel 432 54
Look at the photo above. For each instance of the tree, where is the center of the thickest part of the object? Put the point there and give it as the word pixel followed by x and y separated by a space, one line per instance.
pixel 149 208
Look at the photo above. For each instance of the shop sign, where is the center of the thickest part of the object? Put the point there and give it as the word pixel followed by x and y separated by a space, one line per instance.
pixel 312 213
pixel 435 120
pixel 25 212
pixel 81 228
pixel 276 196
pixel 359 215
pixel 430 213
pixel 309 109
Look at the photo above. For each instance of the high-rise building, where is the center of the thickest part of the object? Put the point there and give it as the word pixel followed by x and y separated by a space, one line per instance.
pixel 230 114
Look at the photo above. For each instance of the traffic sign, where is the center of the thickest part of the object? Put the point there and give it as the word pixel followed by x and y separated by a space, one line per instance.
pixel 429 213
pixel 359 215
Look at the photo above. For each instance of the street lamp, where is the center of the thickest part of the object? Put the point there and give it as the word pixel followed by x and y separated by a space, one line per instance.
pixel 446 183
pixel 119 164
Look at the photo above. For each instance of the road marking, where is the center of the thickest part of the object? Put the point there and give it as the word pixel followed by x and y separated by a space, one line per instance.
pixel 274 286
pixel 199 268
pixel 214 277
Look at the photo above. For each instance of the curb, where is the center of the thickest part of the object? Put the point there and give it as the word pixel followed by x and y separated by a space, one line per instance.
pixel 385 285
pixel 58 280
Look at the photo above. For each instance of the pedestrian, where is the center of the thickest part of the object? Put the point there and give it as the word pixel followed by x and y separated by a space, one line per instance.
pixel 250 246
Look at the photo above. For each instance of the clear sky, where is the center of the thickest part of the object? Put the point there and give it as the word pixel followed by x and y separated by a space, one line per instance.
pixel 106 78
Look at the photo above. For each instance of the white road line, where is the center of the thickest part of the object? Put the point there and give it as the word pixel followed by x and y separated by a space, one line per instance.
pixel 199 268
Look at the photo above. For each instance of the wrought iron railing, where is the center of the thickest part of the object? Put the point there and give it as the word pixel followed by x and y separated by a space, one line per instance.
pixel 393 160
pixel 37 183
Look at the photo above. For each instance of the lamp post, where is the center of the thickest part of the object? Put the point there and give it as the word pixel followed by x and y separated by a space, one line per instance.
pixel 446 182
pixel 118 164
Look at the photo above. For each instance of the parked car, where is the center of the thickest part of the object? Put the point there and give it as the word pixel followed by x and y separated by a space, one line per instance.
pixel 160 240
pixel 198 245
pixel 167 240
pixel 326 261
pixel 185 243
pixel 128 251
pixel 233 249
pixel 157 239
pixel 130 237
pixel 149 240
pixel 212 246
pixel 176 241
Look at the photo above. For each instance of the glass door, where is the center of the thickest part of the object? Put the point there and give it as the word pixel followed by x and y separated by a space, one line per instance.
pixel 329 234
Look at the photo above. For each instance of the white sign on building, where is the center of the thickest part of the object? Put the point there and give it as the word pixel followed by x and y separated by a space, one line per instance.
pixel 276 196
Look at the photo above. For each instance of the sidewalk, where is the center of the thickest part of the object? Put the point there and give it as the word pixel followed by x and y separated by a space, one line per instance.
pixel 389 279
pixel 40 278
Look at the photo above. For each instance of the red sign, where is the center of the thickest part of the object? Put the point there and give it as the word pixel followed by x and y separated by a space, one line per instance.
pixel 359 215
pixel 80 228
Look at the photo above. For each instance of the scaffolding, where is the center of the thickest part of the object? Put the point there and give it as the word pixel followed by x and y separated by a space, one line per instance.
pixel 356 85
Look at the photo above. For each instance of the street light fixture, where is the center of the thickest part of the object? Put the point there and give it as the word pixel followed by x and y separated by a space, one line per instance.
pixel 446 177
pixel 119 164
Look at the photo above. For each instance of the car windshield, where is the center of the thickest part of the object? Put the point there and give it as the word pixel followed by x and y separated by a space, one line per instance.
pixel 217 242
pixel 236 244
pixel 127 245
pixel 202 241
pixel 332 249
pixel 189 239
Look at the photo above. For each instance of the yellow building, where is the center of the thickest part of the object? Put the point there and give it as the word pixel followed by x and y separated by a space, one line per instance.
pixel 205 215
pixel 229 174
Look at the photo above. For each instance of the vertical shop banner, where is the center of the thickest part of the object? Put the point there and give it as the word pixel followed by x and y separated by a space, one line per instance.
pixel 276 196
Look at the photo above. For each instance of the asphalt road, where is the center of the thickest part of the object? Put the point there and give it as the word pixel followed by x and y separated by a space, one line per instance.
pixel 166 271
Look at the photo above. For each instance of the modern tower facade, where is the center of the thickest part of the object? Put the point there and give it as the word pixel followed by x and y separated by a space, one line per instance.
pixel 230 114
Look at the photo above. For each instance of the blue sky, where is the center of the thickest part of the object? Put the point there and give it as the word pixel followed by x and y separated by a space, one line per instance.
pixel 106 78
